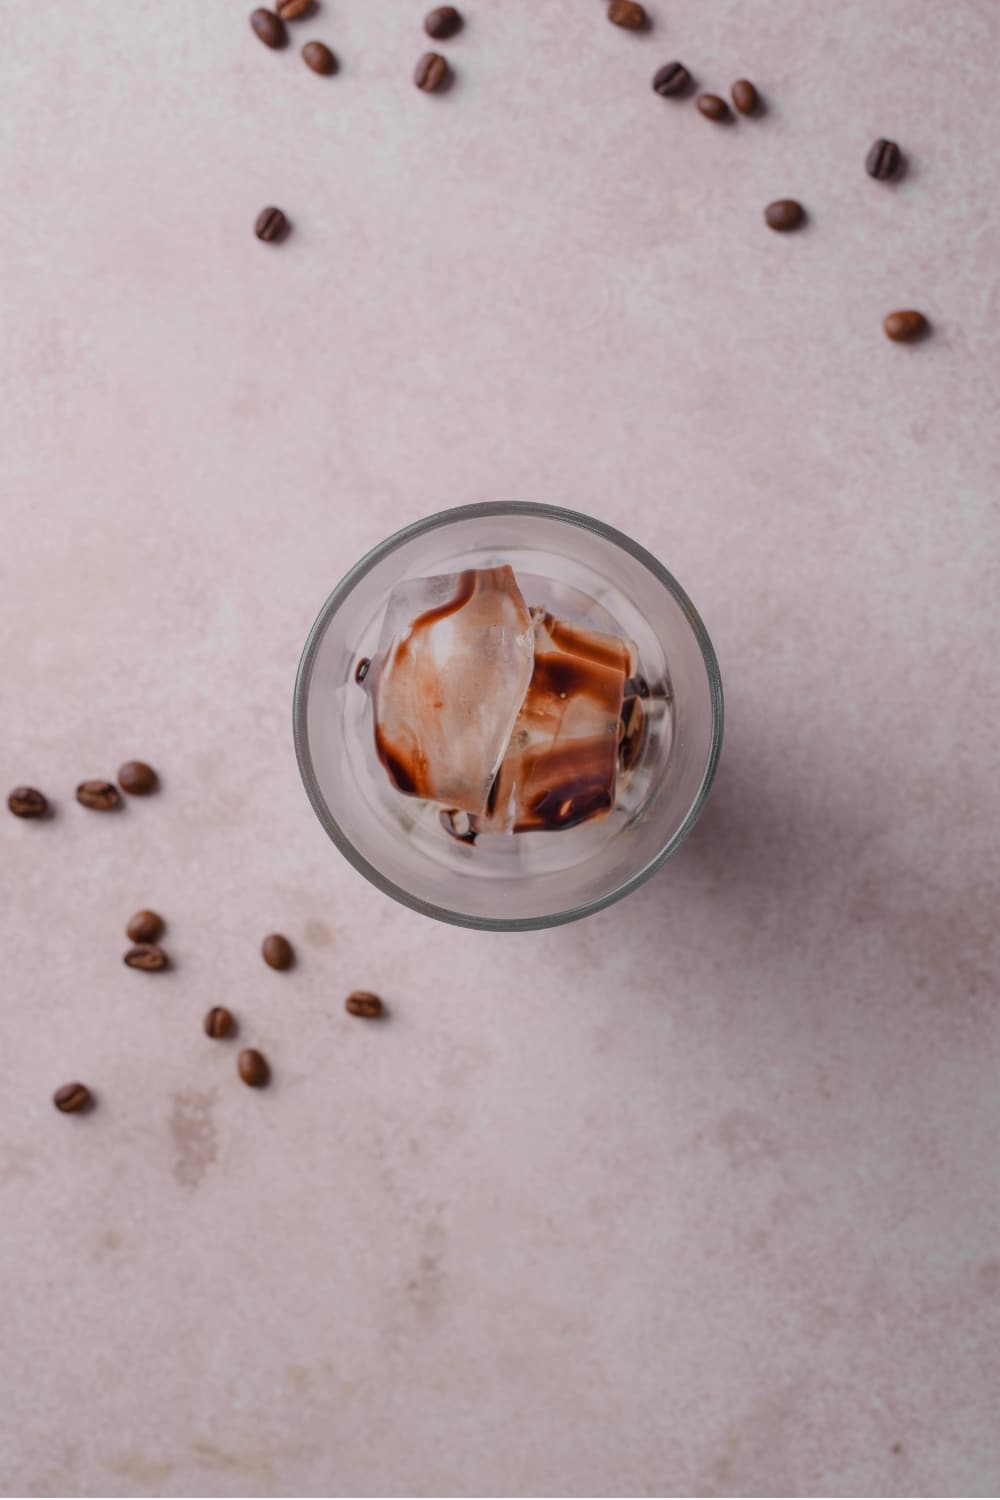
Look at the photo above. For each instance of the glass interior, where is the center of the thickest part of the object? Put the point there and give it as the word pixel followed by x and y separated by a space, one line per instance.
pixel 562 561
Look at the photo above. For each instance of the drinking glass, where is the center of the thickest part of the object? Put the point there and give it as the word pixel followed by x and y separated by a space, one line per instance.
pixel 582 570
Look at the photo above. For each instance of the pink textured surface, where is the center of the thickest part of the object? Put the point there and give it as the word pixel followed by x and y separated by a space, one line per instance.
pixel 702 1194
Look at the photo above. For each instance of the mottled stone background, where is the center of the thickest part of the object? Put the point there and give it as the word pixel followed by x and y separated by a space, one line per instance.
pixel 702 1195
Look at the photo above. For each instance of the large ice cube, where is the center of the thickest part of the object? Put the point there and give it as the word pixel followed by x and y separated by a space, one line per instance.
pixel 561 762
pixel 453 665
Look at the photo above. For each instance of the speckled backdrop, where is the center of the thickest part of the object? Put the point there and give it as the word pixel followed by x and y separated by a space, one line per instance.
pixel 701 1195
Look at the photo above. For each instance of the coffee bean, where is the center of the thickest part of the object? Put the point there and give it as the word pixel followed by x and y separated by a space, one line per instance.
pixel 253 1068
pixel 905 326
pixel 26 802
pixel 363 1003
pixel 100 796
pixel 883 159
pixel 672 78
pixel 361 670
pixel 442 22
pixel 271 225
pixel 218 1021
pixel 148 956
pixel 628 14
pixel 431 72
pixel 745 96
pixel 318 56
pixel 145 926
pixel 713 108
pixel 784 214
pixel 136 778
pixel 72 1098
pixel 291 10
pixel 269 28
pixel 277 951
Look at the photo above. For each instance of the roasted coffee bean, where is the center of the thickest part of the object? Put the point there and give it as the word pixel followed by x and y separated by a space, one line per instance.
pixel 291 10
pixel 26 802
pixel 100 796
pixel 628 14
pixel 442 22
pixel 883 160
pixel 745 96
pixel 672 78
pixel 269 28
pixel 784 214
pixel 148 956
pixel 277 951
pixel 431 72
pixel 317 55
pixel 713 107
pixel 363 1003
pixel 905 326
pixel 253 1068
pixel 271 225
pixel 218 1021
pixel 361 670
pixel 136 778
pixel 72 1098
pixel 145 926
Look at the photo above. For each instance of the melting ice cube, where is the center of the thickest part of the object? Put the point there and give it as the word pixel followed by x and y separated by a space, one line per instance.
pixel 561 762
pixel 452 669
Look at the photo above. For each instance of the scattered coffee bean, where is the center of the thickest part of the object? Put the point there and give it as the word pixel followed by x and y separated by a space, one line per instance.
pixel 905 326
pixel 883 160
pixel 269 28
pixel 271 225
pixel 627 13
pixel 318 56
pixel 253 1068
pixel 431 72
pixel 672 78
pixel 784 214
pixel 363 1003
pixel 136 778
pixel 361 670
pixel 72 1098
pixel 145 927
pixel 442 22
pixel 100 796
pixel 713 108
pixel 277 951
pixel 291 10
pixel 26 802
pixel 148 956
pixel 218 1021
pixel 745 96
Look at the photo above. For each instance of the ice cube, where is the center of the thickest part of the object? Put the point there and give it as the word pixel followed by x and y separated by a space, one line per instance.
pixel 634 724
pixel 560 765
pixel 453 665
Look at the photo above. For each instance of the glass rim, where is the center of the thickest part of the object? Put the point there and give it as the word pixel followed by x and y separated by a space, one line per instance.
pixel 345 588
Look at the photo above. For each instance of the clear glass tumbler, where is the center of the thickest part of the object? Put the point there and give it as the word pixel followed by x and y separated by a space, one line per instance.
pixel 578 568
